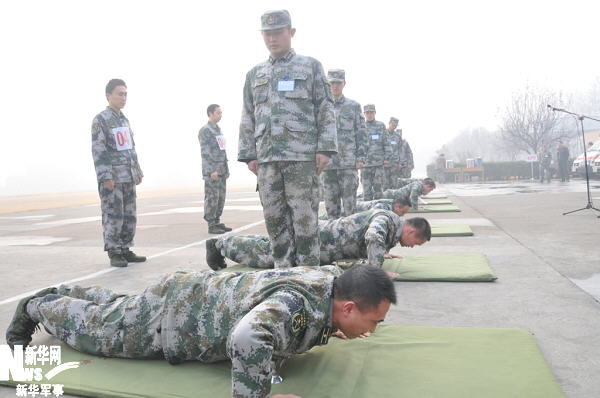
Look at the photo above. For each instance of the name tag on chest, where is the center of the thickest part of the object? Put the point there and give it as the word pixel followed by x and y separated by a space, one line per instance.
pixel 122 138
pixel 285 85
pixel 221 141
pixel 393 142
pixel 375 136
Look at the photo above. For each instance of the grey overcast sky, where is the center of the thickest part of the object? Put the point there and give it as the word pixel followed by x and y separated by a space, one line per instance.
pixel 439 66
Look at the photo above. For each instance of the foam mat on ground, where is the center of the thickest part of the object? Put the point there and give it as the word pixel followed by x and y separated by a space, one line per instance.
pixel 438 201
pixel 396 361
pixel 435 209
pixel 451 230
pixel 435 196
pixel 442 267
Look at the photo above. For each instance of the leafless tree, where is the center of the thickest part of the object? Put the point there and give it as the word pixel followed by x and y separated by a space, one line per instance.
pixel 528 124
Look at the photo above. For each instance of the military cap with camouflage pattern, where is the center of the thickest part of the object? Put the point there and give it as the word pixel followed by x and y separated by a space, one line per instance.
pixel 336 75
pixel 369 108
pixel 394 120
pixel 275 19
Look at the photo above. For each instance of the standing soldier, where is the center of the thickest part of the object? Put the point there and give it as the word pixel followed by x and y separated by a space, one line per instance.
pixel 562 156
pixel 545 162
pixel 340 178
pixel 117 172
pixel 407 163
pixel 378 154
pixel 394 140
pixel 214 169
pixel 287 136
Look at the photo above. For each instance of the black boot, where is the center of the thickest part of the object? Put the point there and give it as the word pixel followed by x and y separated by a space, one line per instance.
pixel 131 257
pixel 214 258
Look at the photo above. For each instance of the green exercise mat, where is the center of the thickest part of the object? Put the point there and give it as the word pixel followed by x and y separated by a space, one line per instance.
pixel 442 267
pixel 435 209
pixel 435 196
pixel 438 201
pixel 451 230
pixel 396 361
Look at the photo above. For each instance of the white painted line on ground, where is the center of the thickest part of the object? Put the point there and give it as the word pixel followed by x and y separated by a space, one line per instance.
pixel 107 270
pixel 33 218
pixel 68 221
pixel 29 240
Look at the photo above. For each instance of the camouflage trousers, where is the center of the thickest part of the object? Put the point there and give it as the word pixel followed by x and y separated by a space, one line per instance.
pixel 340 192
pixel 250 250
pixel 118 216
pixel 372 182
pixel 405 172
pixel 289 193
pixel 97 321
pixel 214 199
pixel 391 175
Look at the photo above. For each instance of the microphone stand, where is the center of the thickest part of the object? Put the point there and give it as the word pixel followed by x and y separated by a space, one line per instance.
pixel 580 118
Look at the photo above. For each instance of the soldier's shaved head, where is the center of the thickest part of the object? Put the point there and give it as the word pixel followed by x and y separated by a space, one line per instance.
pixel 366 285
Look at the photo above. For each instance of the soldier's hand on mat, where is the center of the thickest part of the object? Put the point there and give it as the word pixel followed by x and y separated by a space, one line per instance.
pixel 390 255
pixel 110 184
pixel 285 396
pixel 253 166
pixel 138 181
pixel 360 165
pixel 339 334
pixel 393 275
pixel 214 175
pixel 322 161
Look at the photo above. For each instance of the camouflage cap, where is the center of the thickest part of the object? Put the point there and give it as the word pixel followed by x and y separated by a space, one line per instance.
pixel 394 120
pixel 336 75
pixel 275 19
pixel 369 108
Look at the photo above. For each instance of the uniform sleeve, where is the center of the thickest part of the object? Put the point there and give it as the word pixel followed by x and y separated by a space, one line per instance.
pixel 415 192
pixel 387 149
pixel 361 135
pixel 102 161
pixel 376 238
pixel 206 151
pixel 260 333
pixel 409 157
pixel 247 142
pixel 324 115
pixel 137 170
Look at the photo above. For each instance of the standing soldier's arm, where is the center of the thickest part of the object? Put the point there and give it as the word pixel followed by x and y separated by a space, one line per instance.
pixel 409 157
pixel 137 170
pixel 387 150
pixel 324 115
pixel 247 142
pixel 102 160
pixel 376 238
pixel 416 190
pixel 206 151
pixel 361 135
pixel 256 337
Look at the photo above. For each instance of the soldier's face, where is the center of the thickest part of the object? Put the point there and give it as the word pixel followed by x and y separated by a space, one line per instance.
pixel 337 88
pixel 427 189
pixel 392 126
pixel 401 210
pixel 215 117
pixel 410 237
pixel 278 41
pixel 117 98
pixel 370 115
pixel 353 322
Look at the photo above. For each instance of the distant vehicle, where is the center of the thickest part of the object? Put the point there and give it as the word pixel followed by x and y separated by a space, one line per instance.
pixel 593 161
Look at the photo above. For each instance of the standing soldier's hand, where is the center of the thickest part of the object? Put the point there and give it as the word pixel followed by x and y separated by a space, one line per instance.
pixel 138 181
pixel 253 166
pixel 322 161
pixel 109 184
pixel 360 165
pixel 214 175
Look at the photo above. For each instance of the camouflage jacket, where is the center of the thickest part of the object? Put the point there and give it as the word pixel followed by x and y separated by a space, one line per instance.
pixel 369 234
pixel 377 147
pixel 247 317
pixel 288 111
pixel 406 181
pixel 364 205
pixel 351 137
pixel 411 192
pixel 394 140
pixel 113 148
pixel 407 155
pixel 212 149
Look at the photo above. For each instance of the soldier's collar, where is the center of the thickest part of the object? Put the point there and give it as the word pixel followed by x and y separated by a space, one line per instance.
pixel 213 125
pixel 340 100
pixel 286 58
pixel 120 113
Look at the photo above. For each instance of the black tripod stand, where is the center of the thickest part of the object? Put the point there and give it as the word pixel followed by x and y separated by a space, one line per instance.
pixel 590 204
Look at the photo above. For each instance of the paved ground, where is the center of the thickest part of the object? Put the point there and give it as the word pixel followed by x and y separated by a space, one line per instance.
pixel 548 265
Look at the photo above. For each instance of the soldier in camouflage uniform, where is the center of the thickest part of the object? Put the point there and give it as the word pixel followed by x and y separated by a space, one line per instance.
pixel 378 155
pixel 399 206
pixel 214 169
pixel 117 173
pixel 407 163
pixel 249 318
pixel 287 136
pixel 340 177
pixel 402 182
pixel 411 191
pixel 370 234
pixel 394 140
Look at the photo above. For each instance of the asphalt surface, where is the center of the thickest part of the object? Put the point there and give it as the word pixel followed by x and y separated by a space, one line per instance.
pixel 548 265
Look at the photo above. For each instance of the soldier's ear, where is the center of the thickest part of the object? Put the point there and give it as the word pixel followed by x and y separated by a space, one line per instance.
pixel 292 32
